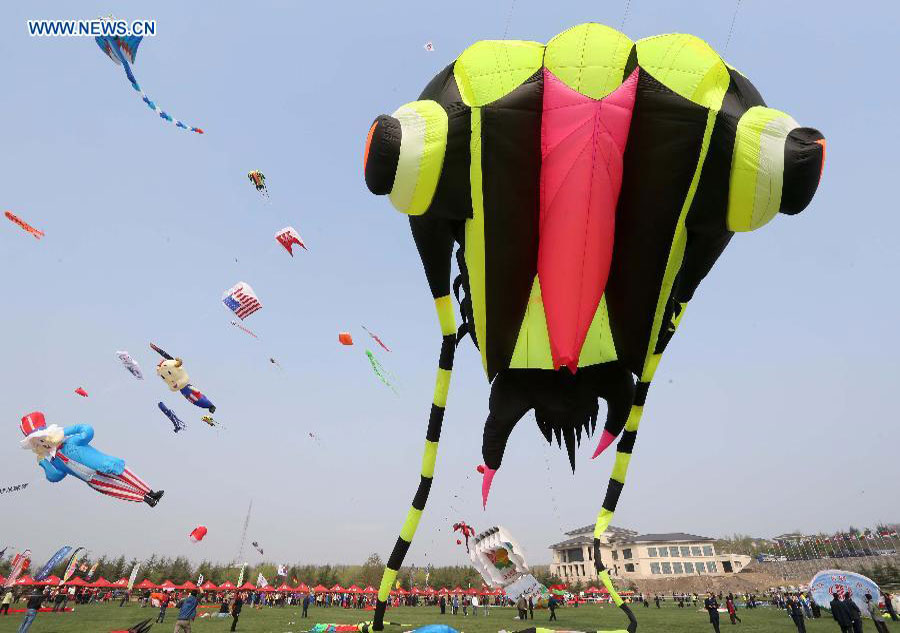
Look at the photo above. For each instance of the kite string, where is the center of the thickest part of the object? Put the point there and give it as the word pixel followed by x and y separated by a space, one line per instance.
pixel 737 6
pixel 512 6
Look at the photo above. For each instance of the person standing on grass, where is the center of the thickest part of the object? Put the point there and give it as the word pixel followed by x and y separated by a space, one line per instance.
pixel 186 613
pixel 732 610
pixel 855 613
pixel 236 611
pixel 889 605
pixel 551 604
pixel 474 606
pixel 841 613
pixel 31 610
pixel 442 603
pixel 163 605
pixel 712 607
pixel 530 608
pixel 796 612
pixel 875 614
pixel 7 600
pixel 305 605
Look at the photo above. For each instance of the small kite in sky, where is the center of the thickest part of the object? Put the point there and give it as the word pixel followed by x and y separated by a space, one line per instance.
pixel 379 370
pixel 122 50
pixel 429 46
pixel 243 329
pixel 198 533
pixel 345 338
pixel 287 237
pixel 176 421
pixel 24 225
pixel 130 364
pixel 173 373
pixel 257 548
pixel 81 392
pixel 241 300
pixel 376 339
pixel 211 421
pixel 259 181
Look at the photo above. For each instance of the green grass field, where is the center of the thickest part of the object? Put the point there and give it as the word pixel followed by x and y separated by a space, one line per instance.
pixel 669 619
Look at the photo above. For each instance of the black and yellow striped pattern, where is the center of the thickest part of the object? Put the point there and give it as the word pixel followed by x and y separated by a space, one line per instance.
pixel 444 308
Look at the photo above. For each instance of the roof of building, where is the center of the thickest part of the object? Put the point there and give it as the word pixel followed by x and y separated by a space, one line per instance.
pixel 589 529
pixel 669 537
pixel 575 541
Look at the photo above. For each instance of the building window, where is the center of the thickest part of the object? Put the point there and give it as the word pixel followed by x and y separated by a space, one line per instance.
pixel 629 567
pixel 615 555
pixel 700 567
pixel 677 568
pixel 663 552
pixel 707 550
pixel 582 571
pixel 711 567
pixel 695 551
pixel 626 554
pixel 575 555
pixel 738 564
pixel 654 568
pixel 689 568
pixel 685 551
pixel 673 551
pixel 651 552
pixel 667 568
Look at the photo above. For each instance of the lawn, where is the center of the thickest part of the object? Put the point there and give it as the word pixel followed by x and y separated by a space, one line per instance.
pixel 669 619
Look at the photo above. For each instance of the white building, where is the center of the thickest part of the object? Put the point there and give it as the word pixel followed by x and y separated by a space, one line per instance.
pixel 628 554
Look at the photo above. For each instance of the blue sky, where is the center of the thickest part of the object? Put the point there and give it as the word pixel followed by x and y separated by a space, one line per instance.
pixel 773 409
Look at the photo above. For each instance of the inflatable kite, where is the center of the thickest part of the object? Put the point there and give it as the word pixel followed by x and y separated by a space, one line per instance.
pixel 197 534
pixel 130 364
pixel 81 392
pixel 172 372
pixel 829 583
pixel 68 451
pixel 123 50
pixel 241 300
pixel 287 237
pixel 259 181
pixel 23 225
pixel 591 184
pixel 465 531
pixel 173 417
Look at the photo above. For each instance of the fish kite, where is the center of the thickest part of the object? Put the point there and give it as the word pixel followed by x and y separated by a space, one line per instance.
pixel 259 181
pixel 241 300
pixel 287 237
pixel 81 392
pixel 130 364
pixel 24 225
pixel 376 339
pixel 588 186
pixel 68 451
pixel 176 421
pixel 172 372
pixel 122 51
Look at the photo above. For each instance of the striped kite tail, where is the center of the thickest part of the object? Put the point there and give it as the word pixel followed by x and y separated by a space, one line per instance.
pixel 150 104
pixel 432 437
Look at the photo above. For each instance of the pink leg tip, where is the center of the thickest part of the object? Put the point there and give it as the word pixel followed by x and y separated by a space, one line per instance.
pixel 486 483
pixel 606 439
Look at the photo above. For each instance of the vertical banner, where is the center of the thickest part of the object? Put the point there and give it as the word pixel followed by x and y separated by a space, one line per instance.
pixel 73 564
pixel 55 560
pixel 19 564
pixel 241 577
pixel 133 576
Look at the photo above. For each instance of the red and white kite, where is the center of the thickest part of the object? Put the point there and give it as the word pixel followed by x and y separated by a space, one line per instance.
pixel 24 225
pixel 198 533
pixel 287 237
pixel 81 392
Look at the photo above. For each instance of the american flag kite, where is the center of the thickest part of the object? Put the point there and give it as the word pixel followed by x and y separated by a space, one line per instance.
pixel 241 300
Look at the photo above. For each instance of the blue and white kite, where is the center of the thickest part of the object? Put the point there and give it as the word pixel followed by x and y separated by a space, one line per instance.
pixel 122 50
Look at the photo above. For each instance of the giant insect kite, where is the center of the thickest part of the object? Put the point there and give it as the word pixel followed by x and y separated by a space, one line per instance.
pixel 123 50
pixel 591 184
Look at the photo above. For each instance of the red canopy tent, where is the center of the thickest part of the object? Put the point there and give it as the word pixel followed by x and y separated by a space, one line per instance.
pixel 209 586
pixel 247 586
pixel 284 587
pixel 443 591
pixel 457 589
pixel 267 589
pixel 121 582
pixel 593 589
pixel 337 589
pixel 472 591
pixel 319 589
pixel 402 591
pixel 49 581
pixel 227 586
pixel 370 590
pixel 188 585
pixel 77 581
pixel 302 588
pixel 167 584
pixel 416 591
pixel 101 583
pixel 145 584
pixel 24 581
pixel 353 589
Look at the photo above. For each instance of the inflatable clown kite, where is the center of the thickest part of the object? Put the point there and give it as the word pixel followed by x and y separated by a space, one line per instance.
pixel 588 185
